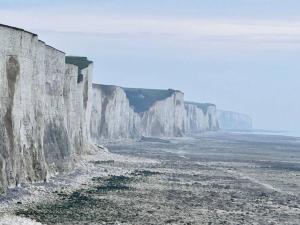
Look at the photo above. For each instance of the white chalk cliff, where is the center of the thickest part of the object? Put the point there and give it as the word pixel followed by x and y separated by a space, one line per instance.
pixel 234 121
pixel 112 117
pixel 200 117
pixel 131 113
pixel 50 112
pixel 44 108
pixel 165 118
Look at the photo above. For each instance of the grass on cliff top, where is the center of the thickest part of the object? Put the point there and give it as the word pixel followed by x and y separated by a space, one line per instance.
pixel 142 99
pixel 81 62
pixel 203 106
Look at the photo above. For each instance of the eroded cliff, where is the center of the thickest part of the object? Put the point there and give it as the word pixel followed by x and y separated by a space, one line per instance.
pixel 41 100
pixel 131 113
pixel 112 117
pixel 50 112
pixel 161 111
pixel 200 117
pixel 234 121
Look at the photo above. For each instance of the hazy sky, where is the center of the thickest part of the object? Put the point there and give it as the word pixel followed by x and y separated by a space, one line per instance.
pixel 242 55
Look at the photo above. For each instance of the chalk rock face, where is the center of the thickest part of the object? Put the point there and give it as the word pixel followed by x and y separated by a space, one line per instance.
pixel 234 121
pixel 165 118
pixel 39 101
pixel 112 117
pixel 78 101
pixel 131 113
pixel 200 117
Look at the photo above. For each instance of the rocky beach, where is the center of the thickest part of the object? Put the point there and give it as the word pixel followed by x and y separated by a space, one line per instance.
pixel 213 178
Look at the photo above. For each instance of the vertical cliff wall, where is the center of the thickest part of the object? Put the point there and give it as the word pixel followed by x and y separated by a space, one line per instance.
pixel 131 113
pixel 40 98
pixel 112 117
pixel 78 100
pixel 200 117
pixel 234 121
pixel 161 111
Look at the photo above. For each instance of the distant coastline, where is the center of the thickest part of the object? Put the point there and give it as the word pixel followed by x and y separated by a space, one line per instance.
pixel 268 132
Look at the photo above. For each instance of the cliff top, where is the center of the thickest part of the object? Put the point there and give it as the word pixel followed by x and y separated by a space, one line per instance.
pixel 17 29
pixel 26 31
pixel 107 89
pixel 234 113
pixel 80 62
pixel 142 99
pixel 203 106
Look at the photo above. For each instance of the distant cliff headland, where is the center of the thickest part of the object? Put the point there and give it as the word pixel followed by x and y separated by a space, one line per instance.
pixel 50 112
pixel 229 120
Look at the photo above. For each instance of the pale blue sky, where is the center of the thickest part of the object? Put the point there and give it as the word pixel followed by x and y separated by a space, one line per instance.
pixel 242 55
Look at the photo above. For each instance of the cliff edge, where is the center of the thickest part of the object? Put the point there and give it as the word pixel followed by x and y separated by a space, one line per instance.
pixel 132 113
pixel 40 102
pixel 234 121
pixel 200 117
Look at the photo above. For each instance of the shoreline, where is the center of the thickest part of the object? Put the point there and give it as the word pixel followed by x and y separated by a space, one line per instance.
pixel 211 177
pixel 81 176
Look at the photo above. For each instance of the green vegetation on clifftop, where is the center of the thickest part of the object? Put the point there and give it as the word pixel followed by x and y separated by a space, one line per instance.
pixel 142 99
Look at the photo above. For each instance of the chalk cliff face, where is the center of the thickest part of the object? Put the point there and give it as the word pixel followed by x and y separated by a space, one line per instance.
pixel 200 117
pixel 165 117
pixel 78 101
pixel 161 111
pixel 40 98
pixel 131 113
pixel 50 112
pixel 234 121
pixel 112 117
